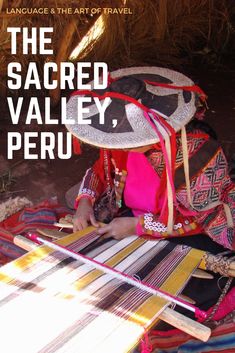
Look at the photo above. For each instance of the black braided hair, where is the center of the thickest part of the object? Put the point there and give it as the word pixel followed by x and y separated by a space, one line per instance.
pixel 203 126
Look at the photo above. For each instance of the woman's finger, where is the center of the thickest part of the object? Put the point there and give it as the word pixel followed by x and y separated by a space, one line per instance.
pixel 84 223
pixel 79 225
pixel 105 229
pixel 94 221
pixel 108 235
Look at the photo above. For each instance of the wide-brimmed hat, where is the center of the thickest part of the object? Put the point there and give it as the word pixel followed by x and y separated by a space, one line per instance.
pixel 139 97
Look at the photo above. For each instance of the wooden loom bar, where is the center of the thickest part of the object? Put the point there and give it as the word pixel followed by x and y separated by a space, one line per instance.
pixel 24 243
pixel 63 225
pixel 185 324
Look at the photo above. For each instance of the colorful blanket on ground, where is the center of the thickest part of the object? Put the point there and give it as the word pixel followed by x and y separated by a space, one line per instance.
pixel 9 251
pixel 222 340
pixel 42 215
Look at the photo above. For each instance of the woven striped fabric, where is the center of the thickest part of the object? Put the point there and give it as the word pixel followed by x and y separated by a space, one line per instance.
pixel 222 340
pixel 52 303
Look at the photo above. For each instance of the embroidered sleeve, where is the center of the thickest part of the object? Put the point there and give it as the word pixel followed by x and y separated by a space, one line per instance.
pixel 85 191
pixel 91 185
pixel 149 224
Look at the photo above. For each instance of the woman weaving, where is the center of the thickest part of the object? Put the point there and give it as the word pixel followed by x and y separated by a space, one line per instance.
pixel 164 176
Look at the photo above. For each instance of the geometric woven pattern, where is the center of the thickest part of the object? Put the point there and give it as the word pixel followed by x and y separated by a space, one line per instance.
pixel 210 184
pixel 206 188
pixel 194 143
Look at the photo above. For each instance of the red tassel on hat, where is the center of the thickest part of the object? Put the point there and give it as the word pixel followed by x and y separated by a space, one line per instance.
pixel 76 146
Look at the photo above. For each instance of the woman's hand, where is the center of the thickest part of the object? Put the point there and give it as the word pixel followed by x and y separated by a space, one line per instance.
pixel 119 228
pixel 84 215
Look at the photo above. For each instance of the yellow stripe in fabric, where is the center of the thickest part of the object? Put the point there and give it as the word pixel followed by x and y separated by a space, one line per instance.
pixel 146 312
pixel 202 264
pixel 75 236
pixel 26 261
pixel 40 253
pixel 94 274
pixel 183 271
pixel 5 278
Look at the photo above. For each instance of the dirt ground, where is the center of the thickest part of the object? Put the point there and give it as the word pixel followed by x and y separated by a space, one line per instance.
pixel 42 179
